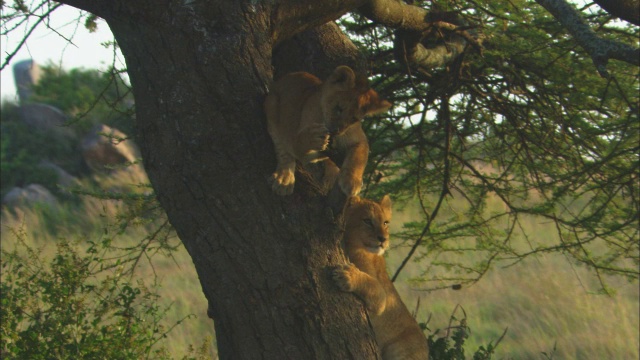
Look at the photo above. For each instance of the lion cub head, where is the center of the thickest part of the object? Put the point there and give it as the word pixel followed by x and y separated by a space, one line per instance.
pixel 347 99
pixel 367 225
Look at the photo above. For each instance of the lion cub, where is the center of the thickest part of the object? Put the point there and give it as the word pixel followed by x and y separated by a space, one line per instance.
pixel 305 117
pixel 365 240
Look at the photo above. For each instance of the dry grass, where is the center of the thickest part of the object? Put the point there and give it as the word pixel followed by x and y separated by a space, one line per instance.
pixel 543 301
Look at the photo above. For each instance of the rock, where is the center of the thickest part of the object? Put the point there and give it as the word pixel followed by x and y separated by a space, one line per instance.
pixel 46 118
pixel 26 73
pixel 104 148
pixel 28 196
pixel 65 179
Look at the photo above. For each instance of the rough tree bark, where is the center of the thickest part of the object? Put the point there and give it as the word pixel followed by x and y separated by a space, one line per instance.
pixel 200 71
pixel 628 10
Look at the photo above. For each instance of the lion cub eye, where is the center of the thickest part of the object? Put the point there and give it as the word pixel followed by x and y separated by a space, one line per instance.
pixel 368 222
pixel 386 223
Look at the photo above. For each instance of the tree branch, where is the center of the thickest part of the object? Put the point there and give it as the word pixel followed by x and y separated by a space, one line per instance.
pixel 291 17
pixel 97 7
pixel 627 10
pixel 396 14
pixel 600 50
pixel 318 51
pixel 413 25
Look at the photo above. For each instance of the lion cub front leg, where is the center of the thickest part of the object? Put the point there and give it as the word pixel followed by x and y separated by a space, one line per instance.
pixel 310 142
pixel 350 279
pixel 283 179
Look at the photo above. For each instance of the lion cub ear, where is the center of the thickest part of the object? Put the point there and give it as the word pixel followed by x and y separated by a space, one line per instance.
pixel 375 105
pixel 385 204
pixel 342 78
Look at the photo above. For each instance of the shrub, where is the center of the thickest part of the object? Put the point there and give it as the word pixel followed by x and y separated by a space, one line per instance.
pixel 21 151
pixel 451 346
pixel 77 306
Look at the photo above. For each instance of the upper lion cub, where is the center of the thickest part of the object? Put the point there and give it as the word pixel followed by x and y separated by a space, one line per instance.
pixel 365 240
pixel 303 113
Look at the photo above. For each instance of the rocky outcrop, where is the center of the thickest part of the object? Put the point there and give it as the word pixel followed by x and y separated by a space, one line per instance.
pixel 105 148
pixel 106 151
pixel 65 179
pixel 26 73
pixel 48 119
pixel 30 195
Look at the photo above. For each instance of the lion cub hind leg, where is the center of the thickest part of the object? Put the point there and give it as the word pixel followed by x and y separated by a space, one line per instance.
pixel 349 278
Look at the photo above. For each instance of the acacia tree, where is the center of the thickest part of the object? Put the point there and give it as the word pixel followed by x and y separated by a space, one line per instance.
pixel 468 89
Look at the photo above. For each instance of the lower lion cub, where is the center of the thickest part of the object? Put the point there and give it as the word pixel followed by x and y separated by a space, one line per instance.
pixel 365 240
pixel 305 116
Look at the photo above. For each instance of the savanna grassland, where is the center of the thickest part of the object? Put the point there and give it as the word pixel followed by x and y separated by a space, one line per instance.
pixel 549 307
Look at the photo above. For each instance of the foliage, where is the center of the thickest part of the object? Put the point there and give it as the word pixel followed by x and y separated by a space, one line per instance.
pixel 90 95
pixel 22 150
pixel 528 120
pixel 79 306
pixel 89 300
pixel 451 346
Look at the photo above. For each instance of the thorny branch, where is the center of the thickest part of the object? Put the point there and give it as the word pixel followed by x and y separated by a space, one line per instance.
pixel 446 119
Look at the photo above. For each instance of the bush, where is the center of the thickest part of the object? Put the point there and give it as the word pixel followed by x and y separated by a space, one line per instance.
pixel 451 346
pixel 77 306
pixel 90 96
pixel 21 151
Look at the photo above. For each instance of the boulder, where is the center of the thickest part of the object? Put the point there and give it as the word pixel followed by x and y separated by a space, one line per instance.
pixel 105 148
pixel 65 179
pixel 26 73
pixel 28 196
pixel 46 118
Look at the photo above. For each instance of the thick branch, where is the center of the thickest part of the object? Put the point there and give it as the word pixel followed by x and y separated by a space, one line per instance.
pixel 291 17
pixel 396 14
pixel 600 50
pixel 98 7
pixel 446 45
pixel 628 10
pixel 318 51
pixel 413 24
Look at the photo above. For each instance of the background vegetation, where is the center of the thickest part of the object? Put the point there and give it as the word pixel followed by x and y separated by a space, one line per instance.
pixel 88 98
pixel 514 169
pixel 542 302
pixel 523 120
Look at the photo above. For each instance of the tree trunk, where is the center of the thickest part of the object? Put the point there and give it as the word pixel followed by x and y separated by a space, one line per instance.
pixel 199 74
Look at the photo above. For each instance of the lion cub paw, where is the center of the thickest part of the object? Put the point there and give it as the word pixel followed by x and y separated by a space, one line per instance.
pixel 349 184
pixel 344 277
pixel 282 182
pixel 318 138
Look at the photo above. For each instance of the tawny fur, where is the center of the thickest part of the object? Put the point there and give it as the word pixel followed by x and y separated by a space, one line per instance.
pixel 303 113
pixel 365 240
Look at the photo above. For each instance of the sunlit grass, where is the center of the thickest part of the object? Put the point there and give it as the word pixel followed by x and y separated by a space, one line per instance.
pixel 544 301
pixel 94 219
